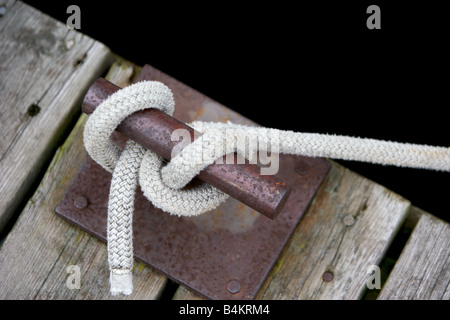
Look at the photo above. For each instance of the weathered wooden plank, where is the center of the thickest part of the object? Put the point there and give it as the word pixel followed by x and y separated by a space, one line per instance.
pixel 347 229
pixel 37 252
pixel 423 268
pixel 45 68
pixel 184 293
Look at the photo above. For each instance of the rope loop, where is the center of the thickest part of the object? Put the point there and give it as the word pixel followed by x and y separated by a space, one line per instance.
pixel 163 184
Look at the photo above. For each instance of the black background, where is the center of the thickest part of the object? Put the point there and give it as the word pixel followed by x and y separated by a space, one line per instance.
pixel 312 67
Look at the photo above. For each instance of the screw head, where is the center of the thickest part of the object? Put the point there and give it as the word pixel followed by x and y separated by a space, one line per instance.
pixel 80 202
pixel 302 168
pixel 349 220
pixel 233 286
pixel 328 276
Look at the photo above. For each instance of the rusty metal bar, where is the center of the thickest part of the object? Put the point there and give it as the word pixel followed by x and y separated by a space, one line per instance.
pixel 153 128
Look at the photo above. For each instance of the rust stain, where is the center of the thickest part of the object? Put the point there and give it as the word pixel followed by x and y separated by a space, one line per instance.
pixel 198 113
pixel 223 119
pixel 241 207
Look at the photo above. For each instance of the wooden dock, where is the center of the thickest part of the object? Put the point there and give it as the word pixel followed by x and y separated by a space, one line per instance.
pixel 352 224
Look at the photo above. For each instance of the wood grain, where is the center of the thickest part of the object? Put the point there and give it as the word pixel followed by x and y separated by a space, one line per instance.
pixel 45 71
pixel 37 252
pixel 347 229
pixel 423 269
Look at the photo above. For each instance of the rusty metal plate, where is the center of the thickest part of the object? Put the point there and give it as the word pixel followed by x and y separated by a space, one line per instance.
pixel 223 254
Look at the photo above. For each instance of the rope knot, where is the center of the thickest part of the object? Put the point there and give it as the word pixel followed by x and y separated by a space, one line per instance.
pixel 163 185
pixel 136 164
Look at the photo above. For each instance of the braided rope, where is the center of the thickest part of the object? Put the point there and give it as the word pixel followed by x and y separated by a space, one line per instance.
pixel 120 217
pixel 162 185
pixel 182 168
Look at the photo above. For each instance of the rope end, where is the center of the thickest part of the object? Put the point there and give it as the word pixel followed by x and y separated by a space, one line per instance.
pixel 121 282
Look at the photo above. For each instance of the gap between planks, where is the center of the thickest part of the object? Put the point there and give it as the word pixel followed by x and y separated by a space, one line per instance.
pixel 423 268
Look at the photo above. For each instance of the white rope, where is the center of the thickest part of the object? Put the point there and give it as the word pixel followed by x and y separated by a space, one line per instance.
pixel 120 218
pixel 162 185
